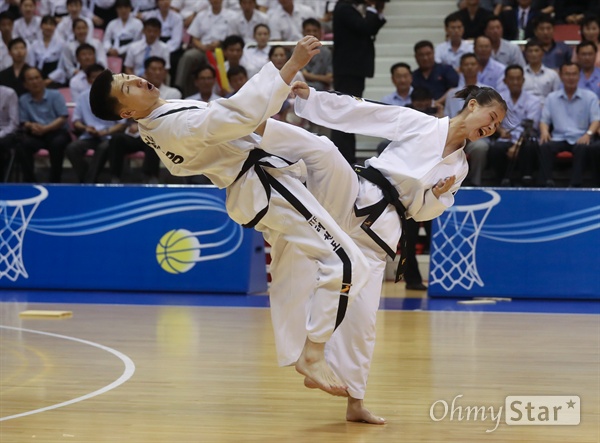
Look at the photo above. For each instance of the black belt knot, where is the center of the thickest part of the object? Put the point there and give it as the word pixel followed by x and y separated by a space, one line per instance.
pixel 373 212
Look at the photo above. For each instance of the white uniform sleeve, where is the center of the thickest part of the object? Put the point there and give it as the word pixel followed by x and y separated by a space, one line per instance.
pixel 433 207
pixel 238 116
pixel 357 116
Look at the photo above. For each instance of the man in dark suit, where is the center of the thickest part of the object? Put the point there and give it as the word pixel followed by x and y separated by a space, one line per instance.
pixel 518 20
pixel 354 56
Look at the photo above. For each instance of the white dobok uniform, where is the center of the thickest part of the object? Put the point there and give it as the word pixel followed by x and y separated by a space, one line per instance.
pixel 412 163
pixel 215 139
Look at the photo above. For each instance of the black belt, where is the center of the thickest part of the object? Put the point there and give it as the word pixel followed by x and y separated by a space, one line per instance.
pixel 373 212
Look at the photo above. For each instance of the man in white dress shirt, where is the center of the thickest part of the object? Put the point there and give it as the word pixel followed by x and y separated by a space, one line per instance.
pixel 286 20
pixel 207 31
pixel 246 20
pixel 145 48
pixel 450 51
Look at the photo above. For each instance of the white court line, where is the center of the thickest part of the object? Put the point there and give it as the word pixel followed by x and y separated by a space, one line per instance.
pixel 127 373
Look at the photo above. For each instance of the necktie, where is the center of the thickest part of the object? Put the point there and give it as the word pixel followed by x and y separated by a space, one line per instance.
pixel 146 56
pixel 522 21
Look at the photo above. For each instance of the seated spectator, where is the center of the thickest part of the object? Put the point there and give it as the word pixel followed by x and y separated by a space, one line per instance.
pixel 171 30
pixel 517 20
pixel 286 21
pixel 574 114
pixel 522 106
pixel 86 57
pixel 539 79
pixel 46 53
pixel 278 55
pixel 9 123
pixel 13 76
pixel 237 77
pixel 590 73
pixel 121 32
pixel 477 151
pixel 245 21
pixel 255 57
pixel 149 46
pixel 590 31
pixel 450 51
pixel 555 53
pixel 491 72
pixel 205 80
pixel 233 50
pixel 43 115
pixel 436 77
pixel 207 31
pixel 6 31
pixel 188 9
pixel 69 63
pixel 473 17
pixel 28 26
pixel 503 51
pixel 155 72
pixel 319 70
pixel 65 27
pixel 402 80
pixel 95 134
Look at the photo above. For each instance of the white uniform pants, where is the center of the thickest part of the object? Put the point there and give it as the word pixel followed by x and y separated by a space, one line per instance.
pixel 337 273
pixel 336 186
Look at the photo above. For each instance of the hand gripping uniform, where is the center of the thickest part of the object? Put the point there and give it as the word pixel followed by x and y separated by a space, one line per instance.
pixel 412 164
pixel 264 191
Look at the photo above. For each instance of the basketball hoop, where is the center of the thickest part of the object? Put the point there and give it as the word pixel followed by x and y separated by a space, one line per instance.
pixel 14 218
pixel 453 257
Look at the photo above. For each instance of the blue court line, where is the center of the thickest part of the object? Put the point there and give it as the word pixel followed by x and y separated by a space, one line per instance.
pixel 262 301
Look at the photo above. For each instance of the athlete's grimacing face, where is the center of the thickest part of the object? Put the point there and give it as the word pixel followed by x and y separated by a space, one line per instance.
pixel 483 121
pixel 134 94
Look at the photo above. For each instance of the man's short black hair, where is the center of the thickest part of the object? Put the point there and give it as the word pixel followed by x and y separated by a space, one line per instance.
pixel 514 66
pixel 16 41
pixel 123 4
pixel 204 67
pixel 104 106
pixel 423 44
pixel 585 44
pixel 236 70
pixel 454 17
pixel 154 59
pixel 231 40
pixel 84 47
pixel 153 23
pixel 94 67
pixel 400 65
pixel 311 21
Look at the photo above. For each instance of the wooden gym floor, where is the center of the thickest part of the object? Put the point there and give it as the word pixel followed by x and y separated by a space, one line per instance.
pixel 159 373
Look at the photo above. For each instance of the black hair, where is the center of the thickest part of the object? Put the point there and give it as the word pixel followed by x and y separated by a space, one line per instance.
pixel 484 96
pixel 83 47
pixel 533 42
pixel 231 40
pixel 493 18
pixel 420 93
pixel 236 70
pixel 104 106
pixel 273 48
pixel 6 15
pixel 423 44
pixel 264 25
pixel 15 41
pixel 454 17
pixel 466 56
pixel 587 20
pixel 123 4
pixel 154 59
pixel 94 67
pixel 567 64
pixel 585 43
pixel 513 66
pixel 400 65
pixel 542 18
pixel 69 2
pixel 78 20
pixel 311 21
pixel 203 67
pixel 48 20
pixel 152 23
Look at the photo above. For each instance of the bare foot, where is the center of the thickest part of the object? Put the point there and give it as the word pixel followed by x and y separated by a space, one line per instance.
pixel 356 411
pixel 310 383
pixel 313 366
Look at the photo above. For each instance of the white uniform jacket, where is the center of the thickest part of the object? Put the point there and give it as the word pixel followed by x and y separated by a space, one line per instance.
pixel 194 137
pixel 412 162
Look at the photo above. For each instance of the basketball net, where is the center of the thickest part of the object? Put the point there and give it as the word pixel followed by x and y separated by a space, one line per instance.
pixel 454 244
pixel 14 218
